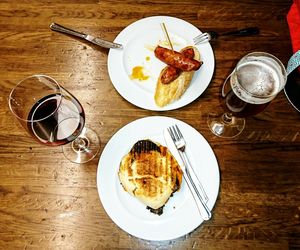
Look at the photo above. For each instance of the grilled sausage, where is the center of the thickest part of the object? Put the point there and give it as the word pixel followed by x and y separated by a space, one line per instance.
pixel 176 59
pixel 171 73
pixel 166 94
pixel 189 53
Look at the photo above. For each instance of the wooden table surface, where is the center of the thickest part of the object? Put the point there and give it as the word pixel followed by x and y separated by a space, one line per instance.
pixel 47 202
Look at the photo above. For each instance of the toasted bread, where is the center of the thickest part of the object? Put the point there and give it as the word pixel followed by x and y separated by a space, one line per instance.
pixel 168 93
pixel 150 173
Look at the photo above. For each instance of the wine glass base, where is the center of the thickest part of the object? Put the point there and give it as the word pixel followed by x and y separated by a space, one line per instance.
pixel 84 148
pixel 225 128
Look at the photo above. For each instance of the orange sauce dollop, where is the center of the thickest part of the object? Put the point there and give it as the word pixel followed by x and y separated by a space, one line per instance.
pixel 138 73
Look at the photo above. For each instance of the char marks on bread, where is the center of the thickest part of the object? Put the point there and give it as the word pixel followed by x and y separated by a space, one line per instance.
pixel 150 173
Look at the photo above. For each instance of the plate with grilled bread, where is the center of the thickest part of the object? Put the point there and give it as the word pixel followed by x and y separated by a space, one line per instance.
pixel 140 181
pixel 159 67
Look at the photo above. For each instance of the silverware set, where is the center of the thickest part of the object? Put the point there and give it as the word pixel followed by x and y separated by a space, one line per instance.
pixel 189 174
pixel 202 38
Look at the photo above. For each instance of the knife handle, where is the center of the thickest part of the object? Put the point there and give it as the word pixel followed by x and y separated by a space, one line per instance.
pixel 62 29
pixel 192 172
pixel 202 207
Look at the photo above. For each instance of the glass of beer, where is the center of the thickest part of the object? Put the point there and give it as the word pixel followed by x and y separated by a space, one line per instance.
pixel 257 78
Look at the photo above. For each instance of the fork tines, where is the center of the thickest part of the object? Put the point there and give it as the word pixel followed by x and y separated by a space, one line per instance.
pixel 173 133
pixel 203 38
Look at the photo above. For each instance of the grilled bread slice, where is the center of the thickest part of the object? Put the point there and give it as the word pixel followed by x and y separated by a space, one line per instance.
pixel 168 93
pixel 150 173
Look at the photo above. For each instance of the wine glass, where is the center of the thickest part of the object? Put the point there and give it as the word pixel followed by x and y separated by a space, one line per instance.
pixel 257 78
pixel 53 117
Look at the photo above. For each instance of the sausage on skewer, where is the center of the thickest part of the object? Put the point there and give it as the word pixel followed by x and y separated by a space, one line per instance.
pixel 171 73
pixel 176 59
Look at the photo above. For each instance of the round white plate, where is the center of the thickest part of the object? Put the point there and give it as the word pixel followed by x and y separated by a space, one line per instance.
pixel 180 215
pixel 139 41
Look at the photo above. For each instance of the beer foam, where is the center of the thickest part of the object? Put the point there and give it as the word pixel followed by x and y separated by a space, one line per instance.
pixel 256 81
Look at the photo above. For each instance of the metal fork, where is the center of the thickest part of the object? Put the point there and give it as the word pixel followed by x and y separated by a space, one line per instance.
pixel 199 199
pixel 210 35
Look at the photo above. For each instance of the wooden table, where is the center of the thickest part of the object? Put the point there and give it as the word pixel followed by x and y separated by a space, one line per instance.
pixel 47 202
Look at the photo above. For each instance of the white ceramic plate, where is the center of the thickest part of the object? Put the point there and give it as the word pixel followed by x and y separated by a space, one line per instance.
pixel 180 215
pixel 139 40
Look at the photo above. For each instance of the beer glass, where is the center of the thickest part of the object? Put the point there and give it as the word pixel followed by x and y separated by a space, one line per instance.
pixel 257 78
pixel 53 117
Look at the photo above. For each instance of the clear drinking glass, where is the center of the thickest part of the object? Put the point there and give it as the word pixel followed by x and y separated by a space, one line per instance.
pixel 53 117
pixel 257 78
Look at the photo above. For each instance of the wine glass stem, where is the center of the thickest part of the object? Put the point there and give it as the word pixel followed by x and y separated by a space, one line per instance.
pixel 80 144
pixel 227 118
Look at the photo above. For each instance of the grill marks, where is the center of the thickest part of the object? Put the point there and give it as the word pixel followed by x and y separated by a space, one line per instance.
pixel 144 146
pixel 146 156
pixel 151 172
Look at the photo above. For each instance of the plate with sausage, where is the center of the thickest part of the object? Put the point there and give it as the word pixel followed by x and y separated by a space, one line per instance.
pixel 153 74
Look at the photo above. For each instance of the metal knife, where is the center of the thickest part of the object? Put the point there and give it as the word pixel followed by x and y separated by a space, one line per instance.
pixel 94 40
pixel 202 207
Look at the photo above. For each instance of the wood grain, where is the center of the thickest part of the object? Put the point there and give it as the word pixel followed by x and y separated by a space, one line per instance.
pixel 47 202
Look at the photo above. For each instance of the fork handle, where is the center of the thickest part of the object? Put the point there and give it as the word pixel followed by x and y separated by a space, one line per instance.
pixel 242 32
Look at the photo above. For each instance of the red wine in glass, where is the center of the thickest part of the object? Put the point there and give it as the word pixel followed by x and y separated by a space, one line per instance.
pixel 53 117
pixel 64 122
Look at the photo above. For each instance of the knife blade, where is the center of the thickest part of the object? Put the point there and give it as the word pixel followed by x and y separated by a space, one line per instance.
pixel 94 40
pixel 202 207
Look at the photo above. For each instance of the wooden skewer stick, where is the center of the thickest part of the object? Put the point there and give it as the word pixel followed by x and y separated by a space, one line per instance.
pixel 167 36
